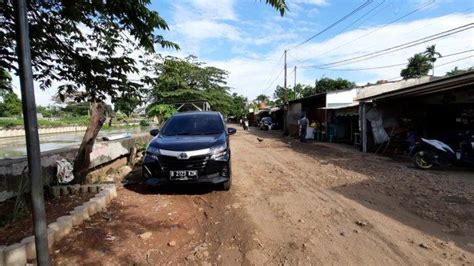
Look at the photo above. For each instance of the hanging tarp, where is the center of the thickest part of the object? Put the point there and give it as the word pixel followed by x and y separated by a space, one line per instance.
pixel 375 119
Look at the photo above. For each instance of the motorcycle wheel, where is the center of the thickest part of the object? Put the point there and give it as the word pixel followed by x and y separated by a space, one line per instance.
pixel 420 160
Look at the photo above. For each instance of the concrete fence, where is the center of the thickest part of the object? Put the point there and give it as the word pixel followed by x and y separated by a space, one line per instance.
pixel 19 132
pixel 12 170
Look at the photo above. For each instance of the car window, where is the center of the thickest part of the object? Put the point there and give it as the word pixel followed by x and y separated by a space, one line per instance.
pixel 195 124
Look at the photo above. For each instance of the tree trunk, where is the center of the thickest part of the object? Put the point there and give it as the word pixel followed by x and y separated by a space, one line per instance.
pixel 82 162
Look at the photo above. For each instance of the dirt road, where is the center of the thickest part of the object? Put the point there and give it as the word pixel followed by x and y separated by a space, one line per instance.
pixel 290 203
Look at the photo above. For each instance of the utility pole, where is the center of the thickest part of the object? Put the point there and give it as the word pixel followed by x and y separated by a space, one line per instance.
pixel 31 132
pixel 284 82
pixel 294 85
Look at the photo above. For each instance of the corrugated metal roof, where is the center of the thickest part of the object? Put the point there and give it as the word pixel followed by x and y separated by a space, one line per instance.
pixel 437 85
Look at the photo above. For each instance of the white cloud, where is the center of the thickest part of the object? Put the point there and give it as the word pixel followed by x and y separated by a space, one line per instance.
pixel 312 2
pixel 221 9
pixel 207 29
pixel 325 52
pixel 250 77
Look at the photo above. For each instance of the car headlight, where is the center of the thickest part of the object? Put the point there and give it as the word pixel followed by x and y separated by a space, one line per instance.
pixel 218 153
pixel 152 152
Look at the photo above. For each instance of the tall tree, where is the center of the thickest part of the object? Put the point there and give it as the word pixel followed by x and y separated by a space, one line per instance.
pixel 87 46
pixel 418 66
pixel 5 81
pixel 239 105
pixel 180 80
pixel 421 63
pixel 432 55
pixel 127 105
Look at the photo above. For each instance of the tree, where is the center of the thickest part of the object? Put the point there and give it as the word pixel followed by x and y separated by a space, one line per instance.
pixel 432 54
pixel 127 105
pixel 77 109
pixel 161 111
pixel 262 98
pixel 328 84
pixel 418 66
pixel 457 71
pixel 181 80
pixel 87 46
pixel 281 95
pixel 421 63
pixel 239 105
pixel 11 105
pixel 5 81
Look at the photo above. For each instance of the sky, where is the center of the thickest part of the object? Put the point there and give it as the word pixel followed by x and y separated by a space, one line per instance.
pixel 247 38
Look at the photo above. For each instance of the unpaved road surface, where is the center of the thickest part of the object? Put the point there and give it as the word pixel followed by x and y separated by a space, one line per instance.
pixel 290 204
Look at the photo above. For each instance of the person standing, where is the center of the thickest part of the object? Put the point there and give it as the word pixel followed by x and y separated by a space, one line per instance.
pixel 303 123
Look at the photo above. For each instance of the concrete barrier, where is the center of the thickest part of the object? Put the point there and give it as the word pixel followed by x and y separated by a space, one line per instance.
pixel 15 255
pixel 103 153
pixel 18 132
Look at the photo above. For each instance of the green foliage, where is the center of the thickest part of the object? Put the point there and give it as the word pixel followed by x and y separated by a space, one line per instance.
pixel 239 105
pixel 161 111
pixel 65 121
pixel 420 64
pixel 77 109
pixel 144 123
pixel 10 105
pixel 87 45
pixel 457 71
pixel 301 90
pixel 127 105
pixel 5 81
pixel 279 5
pixel 183 80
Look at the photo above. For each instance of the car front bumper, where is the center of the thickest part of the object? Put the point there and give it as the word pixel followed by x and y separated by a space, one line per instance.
pixel 213 172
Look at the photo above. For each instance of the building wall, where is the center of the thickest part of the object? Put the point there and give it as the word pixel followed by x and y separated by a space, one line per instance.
pixel 293 114
pixel 341 98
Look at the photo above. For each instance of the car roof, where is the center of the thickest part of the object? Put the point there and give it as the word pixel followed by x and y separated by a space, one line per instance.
pixel 197 113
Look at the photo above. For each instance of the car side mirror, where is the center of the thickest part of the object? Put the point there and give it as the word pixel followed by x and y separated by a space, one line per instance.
pixel 231 130
pixel 154 132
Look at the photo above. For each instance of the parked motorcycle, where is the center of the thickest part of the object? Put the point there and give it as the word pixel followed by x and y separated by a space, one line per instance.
pixel 430 152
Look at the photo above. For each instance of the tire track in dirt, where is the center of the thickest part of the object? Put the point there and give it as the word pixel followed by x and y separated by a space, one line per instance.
pixel 384 240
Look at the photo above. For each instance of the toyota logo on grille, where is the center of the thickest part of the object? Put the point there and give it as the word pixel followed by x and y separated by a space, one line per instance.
pixel 183 156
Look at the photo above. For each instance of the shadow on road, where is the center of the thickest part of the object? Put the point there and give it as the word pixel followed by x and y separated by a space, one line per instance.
pixel 182 189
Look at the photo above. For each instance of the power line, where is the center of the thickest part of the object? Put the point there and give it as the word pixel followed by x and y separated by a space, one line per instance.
pixel 361 17
pixel 460 59
pixel 271 84
pixel 378 28
pixel 400 46
pixel 368 2
pixel 273 69
pixel 382 67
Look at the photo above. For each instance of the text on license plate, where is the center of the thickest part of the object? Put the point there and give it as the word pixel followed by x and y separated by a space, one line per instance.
pixel 183 174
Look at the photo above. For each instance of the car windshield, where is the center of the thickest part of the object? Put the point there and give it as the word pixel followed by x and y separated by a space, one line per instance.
pixel 267 119
pixel 193 124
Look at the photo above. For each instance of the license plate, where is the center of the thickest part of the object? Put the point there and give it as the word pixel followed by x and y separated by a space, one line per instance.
pixel 183 174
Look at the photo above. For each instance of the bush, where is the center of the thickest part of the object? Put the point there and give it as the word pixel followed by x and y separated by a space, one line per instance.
pixel 144 123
